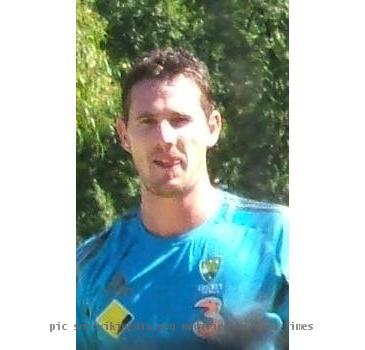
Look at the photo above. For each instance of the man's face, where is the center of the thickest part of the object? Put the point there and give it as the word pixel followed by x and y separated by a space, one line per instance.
pixel 168 134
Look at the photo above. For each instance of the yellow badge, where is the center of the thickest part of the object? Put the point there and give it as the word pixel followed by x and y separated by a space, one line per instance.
pixel 114 318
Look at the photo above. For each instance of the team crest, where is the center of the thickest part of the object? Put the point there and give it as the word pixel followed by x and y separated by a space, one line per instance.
pixel 209 268
pixel 114 319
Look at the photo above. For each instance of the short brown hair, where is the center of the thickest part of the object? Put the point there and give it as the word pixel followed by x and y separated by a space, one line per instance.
pixel 166 64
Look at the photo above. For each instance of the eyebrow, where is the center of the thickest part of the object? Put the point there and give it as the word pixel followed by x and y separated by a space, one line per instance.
pixel 148 115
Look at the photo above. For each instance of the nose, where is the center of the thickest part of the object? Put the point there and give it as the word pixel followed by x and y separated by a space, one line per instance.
pixel 167 134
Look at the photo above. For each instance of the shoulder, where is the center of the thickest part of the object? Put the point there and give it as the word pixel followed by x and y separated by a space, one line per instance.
pixel 255 212
pixel 94 245
pixel 268 222
pixel 91 246
pixel 247 204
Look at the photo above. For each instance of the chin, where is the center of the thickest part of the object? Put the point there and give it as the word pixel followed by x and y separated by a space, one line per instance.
pixel 168 190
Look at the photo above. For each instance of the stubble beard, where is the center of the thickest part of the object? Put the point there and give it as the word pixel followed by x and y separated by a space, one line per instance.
pixel 188 180
pixel 162 190
pixel 186 184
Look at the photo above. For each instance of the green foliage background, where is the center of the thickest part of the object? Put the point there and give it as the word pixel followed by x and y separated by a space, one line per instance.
pixel 245 45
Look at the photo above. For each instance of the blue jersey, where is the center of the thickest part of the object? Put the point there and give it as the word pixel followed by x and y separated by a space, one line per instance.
pixel 222 285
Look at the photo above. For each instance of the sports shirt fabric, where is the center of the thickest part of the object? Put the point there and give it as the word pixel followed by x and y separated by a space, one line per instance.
pixel 222 285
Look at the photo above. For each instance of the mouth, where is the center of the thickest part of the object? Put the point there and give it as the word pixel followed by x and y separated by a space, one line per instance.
pixel 167 163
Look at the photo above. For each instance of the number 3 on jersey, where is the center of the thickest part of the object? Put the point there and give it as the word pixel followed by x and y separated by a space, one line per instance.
pixel 211 307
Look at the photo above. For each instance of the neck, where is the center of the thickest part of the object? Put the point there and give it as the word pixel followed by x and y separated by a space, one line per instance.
pixel 171 216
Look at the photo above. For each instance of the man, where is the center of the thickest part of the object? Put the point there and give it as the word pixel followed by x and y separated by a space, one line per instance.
pixel 193 267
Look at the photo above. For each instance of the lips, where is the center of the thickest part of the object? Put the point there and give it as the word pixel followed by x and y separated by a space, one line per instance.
pixel 167 162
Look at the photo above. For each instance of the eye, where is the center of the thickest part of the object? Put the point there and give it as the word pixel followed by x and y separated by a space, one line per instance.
pixel 179 121
pixel 147 121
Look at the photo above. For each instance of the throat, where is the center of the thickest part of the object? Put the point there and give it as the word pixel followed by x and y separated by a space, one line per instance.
pixel 169 217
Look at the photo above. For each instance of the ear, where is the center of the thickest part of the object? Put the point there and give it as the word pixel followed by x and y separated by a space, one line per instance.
pixel 215 126
pixel 121 127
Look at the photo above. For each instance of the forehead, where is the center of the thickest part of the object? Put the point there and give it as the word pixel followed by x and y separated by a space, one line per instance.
pixel 179 93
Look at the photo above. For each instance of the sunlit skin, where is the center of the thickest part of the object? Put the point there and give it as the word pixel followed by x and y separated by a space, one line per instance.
pixel 168 135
